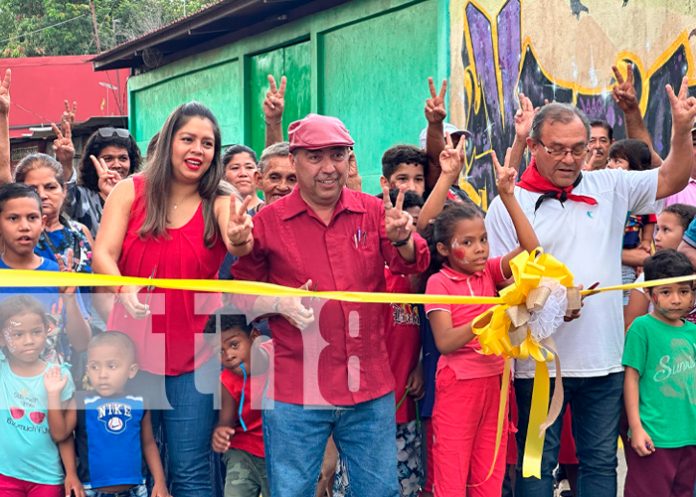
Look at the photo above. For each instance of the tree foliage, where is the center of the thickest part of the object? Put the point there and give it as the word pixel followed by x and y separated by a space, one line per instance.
pixel 64 27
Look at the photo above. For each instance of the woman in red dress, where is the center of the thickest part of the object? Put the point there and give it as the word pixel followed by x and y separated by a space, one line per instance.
pixel 171 221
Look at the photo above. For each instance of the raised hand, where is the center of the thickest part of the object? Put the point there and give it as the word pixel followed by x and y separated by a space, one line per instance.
pixel 624 91
pixel 683 108
pixel 54 380
pixel 240 224
pixel 435 106
pixel 590 159
pixel 66 264
pixel 352 165
pixel 69 113
pixel 274 103
pixel 5 93
pixel 504 175
pixel 397 222
pixel 354 181
pixel 107 178
pixel 524 117
pixel 63 146
pixel 221 439
pixel 452 159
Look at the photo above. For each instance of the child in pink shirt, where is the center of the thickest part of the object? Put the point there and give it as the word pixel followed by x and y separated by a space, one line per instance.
pixel 468 383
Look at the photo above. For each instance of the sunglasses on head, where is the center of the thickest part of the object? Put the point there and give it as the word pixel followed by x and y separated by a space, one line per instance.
pixel 110 132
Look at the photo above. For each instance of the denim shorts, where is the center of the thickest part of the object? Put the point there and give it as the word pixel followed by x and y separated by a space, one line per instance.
pixel 136 491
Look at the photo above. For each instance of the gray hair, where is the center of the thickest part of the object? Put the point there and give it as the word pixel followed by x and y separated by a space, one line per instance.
pixel 280 149
pixel 557 112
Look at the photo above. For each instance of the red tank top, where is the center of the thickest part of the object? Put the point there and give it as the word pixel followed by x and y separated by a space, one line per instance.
pixel 170 340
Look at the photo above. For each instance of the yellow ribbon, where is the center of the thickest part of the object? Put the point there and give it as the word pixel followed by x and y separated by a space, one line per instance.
pixel 22 278
pixel 493 327
pixel 26 278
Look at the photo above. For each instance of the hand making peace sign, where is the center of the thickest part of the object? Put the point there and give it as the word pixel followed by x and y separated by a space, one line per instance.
pixel 63 146
pixel 435 106
pixel 624 91
pixel 452 159
pixel 240 224
pixel 683 108
pixel 274 103
pixel 107 178
pixel 69 113
pixel 5 93
pixel 524 117
pixel 397 222
pixel 505 175
pixel 66 264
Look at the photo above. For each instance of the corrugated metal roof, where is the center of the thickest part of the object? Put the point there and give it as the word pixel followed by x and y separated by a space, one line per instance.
pixel 216 25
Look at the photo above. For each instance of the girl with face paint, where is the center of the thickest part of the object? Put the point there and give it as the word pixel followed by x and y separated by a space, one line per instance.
pixel 21 225
pixel 467 384
pixel 33 397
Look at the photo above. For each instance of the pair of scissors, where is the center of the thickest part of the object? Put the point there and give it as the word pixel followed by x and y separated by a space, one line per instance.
pixel 150 288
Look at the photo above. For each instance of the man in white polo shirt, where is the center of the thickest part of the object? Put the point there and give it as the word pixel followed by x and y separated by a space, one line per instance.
pixel 580 220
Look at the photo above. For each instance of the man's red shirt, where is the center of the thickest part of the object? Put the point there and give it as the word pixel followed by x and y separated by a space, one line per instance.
pixel 341 359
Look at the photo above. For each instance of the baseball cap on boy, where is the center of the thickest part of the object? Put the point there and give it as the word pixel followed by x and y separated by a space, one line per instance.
pixel 447 128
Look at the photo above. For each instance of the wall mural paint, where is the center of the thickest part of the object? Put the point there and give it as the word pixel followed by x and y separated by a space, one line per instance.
pixel 503 48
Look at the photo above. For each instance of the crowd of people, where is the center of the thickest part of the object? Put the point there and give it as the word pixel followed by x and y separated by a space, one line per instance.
pixel 143 391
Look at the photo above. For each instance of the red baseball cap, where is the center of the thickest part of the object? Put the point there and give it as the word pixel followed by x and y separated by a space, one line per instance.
pixel 316 131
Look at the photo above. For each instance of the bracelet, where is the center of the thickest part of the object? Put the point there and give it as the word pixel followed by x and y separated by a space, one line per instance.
pixel 403 242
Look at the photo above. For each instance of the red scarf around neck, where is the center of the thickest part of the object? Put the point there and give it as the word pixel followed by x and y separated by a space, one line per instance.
pixel 533 181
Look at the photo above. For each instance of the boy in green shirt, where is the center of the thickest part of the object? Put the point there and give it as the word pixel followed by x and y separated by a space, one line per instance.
pixel 660 386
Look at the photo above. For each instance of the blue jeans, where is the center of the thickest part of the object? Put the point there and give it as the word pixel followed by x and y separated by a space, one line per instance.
pixel 295 438
pixel 596 406
pixel 186 430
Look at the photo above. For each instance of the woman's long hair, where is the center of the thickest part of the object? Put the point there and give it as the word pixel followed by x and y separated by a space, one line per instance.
pixel 158 175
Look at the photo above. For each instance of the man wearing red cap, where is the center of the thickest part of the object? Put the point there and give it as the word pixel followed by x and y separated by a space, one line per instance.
pixel 333 377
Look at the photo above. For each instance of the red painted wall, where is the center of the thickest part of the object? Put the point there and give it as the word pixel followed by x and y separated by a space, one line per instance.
pixel 41 84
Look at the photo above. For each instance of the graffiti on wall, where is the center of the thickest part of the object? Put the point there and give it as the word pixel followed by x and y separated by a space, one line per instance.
pixel 501 50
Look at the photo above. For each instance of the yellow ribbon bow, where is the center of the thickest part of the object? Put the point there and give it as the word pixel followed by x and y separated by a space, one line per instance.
pixel 503 331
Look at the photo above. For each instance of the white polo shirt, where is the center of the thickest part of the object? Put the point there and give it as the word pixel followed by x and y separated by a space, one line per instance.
pixel 588 239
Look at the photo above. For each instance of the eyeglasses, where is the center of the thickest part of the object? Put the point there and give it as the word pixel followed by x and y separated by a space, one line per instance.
pixel 578 151
pixel 110 132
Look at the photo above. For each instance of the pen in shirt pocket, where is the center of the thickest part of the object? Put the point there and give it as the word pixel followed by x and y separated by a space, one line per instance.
pixel 360 238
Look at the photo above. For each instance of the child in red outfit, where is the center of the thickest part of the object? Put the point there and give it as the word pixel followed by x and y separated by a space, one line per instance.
pixel 468 383
pixel 239 434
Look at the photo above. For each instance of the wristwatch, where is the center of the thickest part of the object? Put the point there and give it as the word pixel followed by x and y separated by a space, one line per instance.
pixel 401 243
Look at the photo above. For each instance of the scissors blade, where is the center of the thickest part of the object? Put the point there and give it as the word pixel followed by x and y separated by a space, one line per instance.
pixel 150 288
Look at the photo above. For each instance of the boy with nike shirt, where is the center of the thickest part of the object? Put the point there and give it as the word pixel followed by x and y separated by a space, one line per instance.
pixel 113 432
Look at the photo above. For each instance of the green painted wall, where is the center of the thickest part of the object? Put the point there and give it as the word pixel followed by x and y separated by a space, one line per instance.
pixel 373 76
pixel 365 62
pixel 293 61
pixel 218 86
